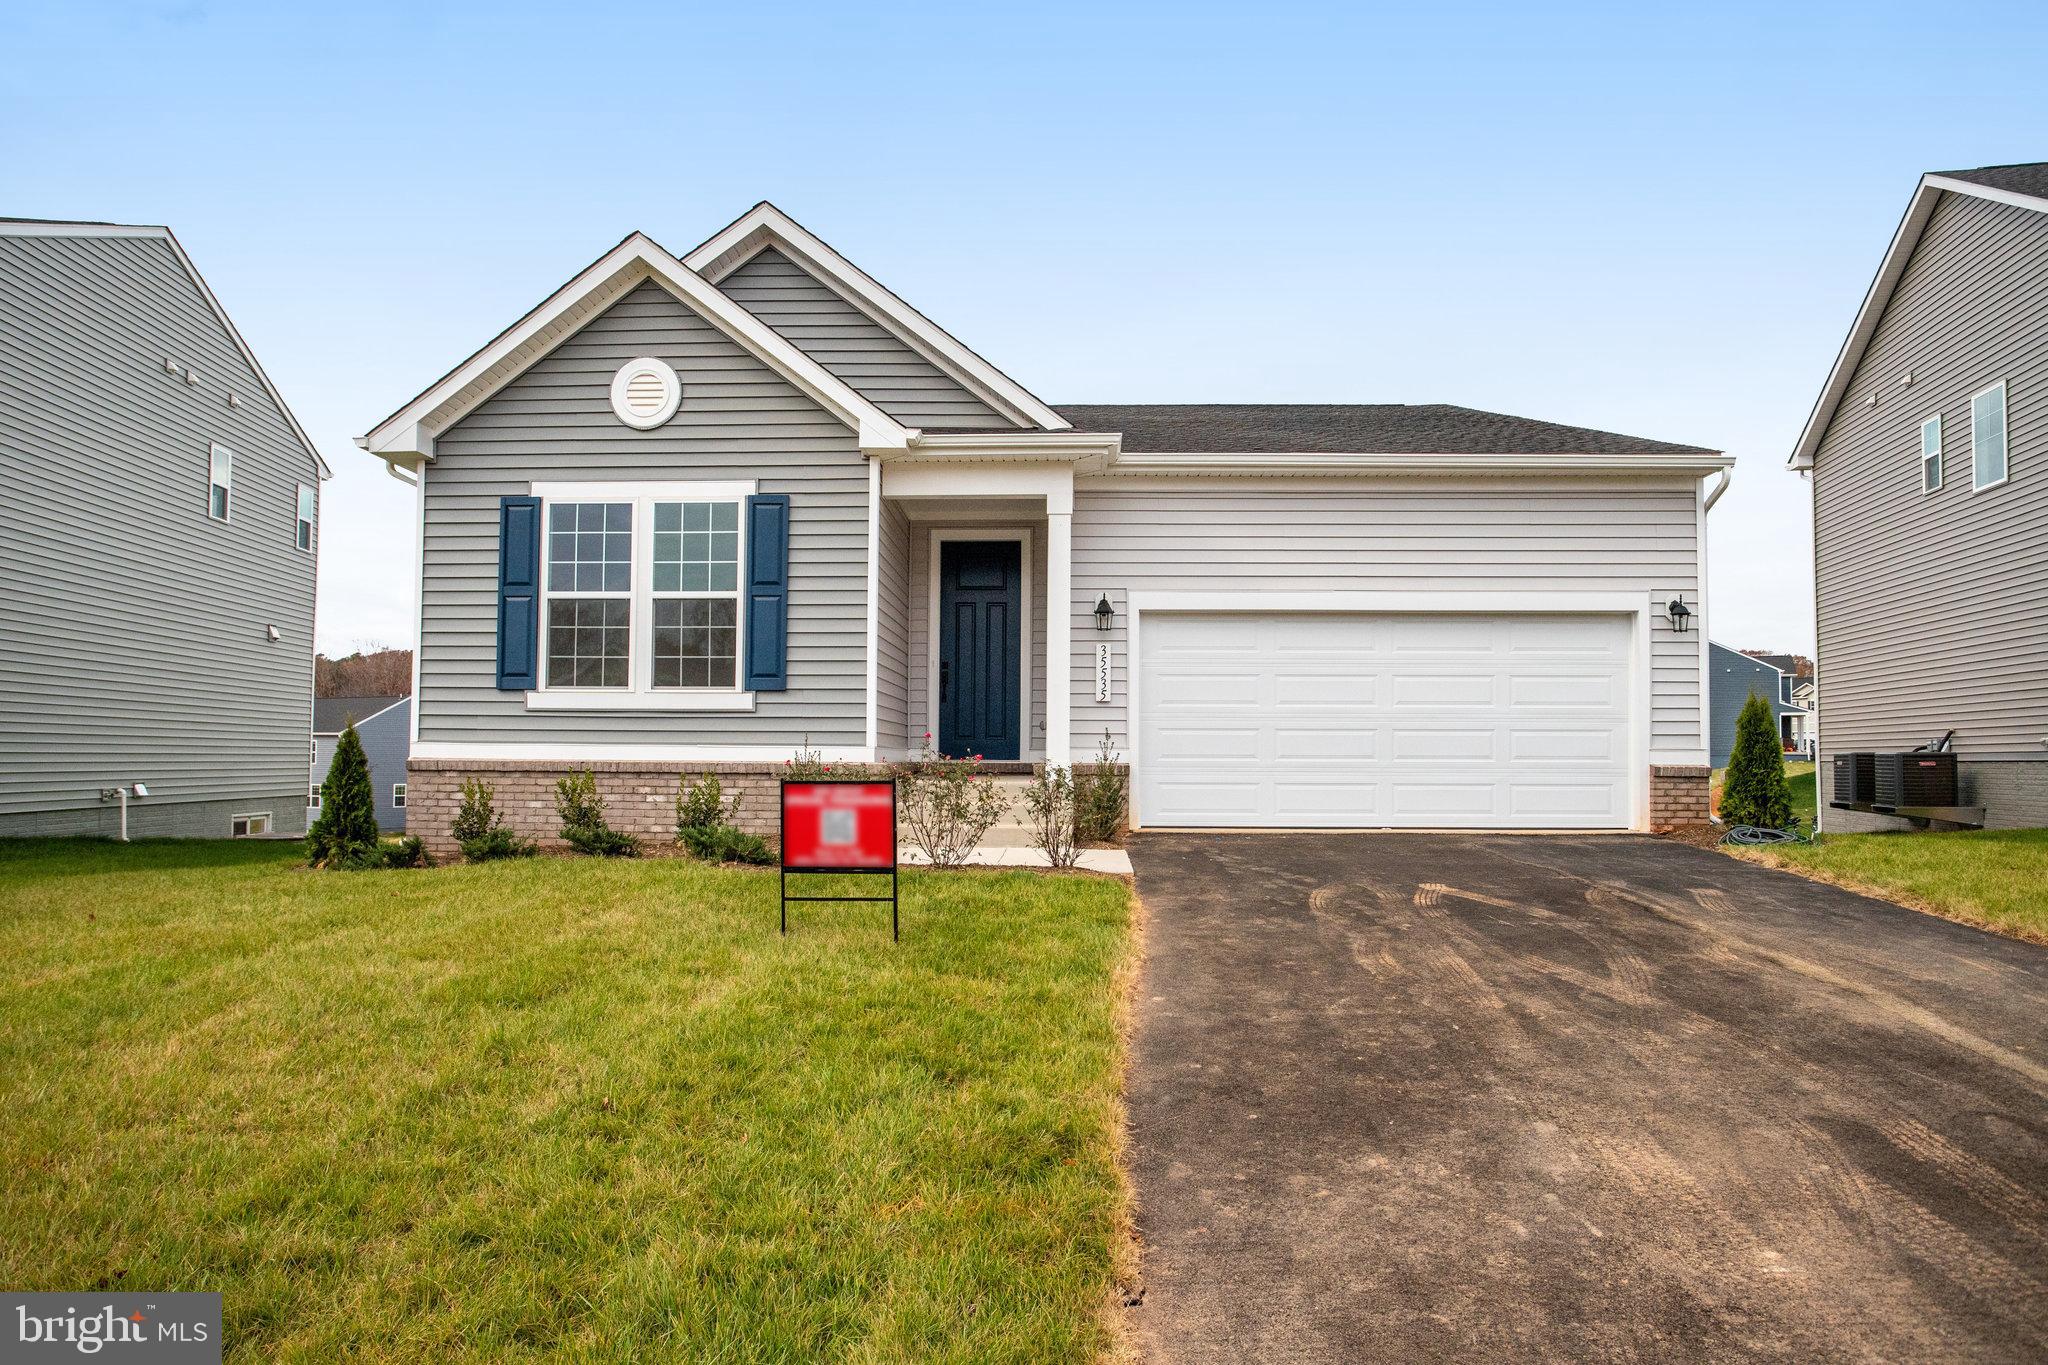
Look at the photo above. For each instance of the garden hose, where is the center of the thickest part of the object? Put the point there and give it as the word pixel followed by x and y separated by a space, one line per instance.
pixel 1756 834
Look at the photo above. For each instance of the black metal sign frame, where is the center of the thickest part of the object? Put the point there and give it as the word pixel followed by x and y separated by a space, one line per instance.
pixel 781 815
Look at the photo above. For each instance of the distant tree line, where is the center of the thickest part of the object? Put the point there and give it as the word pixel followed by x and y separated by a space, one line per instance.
pixel 373 673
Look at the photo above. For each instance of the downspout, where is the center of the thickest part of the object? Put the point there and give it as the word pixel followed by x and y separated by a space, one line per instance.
pixel 1715 495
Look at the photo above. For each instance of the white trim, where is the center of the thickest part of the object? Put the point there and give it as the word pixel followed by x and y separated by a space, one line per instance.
pixel 663 374
pixel 1054 483
pixel 411 429
pixel 1699 626
pixel 1095 449
pixel 2004 437
pixel 1059 643
pixel 939 535
pixel 170 238
pixel 1326 463
pixel 765 225
pixel 398 796
pixel 675 700
pixel 640 693
pixel 874 590
pixel 419 581
pixel 484 751
pixel 1889 271
pixel 1639 607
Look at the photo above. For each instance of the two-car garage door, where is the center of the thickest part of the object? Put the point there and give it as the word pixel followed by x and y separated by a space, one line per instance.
pixel 1428 721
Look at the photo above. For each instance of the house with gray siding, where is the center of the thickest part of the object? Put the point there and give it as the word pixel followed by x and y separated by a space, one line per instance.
pixel 384 725
pixel 1732 677
pixel 1927 453
pixel 702 510
pixel 159 524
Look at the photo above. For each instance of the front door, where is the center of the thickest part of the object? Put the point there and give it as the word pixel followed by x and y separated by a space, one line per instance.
pixel 981 591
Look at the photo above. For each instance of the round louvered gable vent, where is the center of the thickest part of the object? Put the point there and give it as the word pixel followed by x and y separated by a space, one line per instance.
pixel 646 393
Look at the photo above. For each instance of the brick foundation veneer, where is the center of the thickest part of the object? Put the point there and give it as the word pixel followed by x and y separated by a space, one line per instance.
pixel 1678 795
pixel 639 797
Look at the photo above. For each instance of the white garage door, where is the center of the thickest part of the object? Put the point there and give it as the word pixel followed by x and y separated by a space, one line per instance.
pixel 1500 722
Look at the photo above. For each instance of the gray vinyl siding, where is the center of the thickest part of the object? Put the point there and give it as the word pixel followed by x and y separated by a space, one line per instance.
pixel 1928 605
pixel 923 716
pixel 1731 677
pixel 1417 536
pixel 387 743
pixel 892 678
pixel 739 420
pixel 853 346
pixel 135 634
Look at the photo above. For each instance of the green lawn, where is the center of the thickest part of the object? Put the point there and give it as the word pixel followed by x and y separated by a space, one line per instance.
pixel 1993 878
pixel 1799 777
pixel 581 1109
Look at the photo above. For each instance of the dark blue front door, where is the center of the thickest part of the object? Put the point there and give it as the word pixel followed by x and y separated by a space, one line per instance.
pixel 981 590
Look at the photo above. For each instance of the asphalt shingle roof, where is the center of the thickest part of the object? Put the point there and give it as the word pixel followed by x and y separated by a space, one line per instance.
pixel 2030 177
pixel 330 714
pixel 1349 428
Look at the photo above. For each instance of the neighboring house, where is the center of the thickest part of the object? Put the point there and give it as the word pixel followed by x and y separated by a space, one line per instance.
pixel 384 725
pixel 159 511
pixel 1731 677
pixel 1930 498
pixel 712 509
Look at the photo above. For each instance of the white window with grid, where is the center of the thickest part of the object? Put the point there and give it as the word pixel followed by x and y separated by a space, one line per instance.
pixel 641 596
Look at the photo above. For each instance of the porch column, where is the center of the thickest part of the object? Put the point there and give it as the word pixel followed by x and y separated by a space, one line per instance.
pixel 1059 619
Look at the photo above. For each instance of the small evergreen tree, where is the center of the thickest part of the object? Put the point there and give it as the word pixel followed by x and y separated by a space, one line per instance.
pixel 345 835
pixel 1755 792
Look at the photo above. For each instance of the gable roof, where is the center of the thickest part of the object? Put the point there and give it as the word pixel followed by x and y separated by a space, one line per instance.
pixel 1349 428
pixel 2023 185
pixel 332 714
pixel 638 258
pixel 765 225
pixel 57 227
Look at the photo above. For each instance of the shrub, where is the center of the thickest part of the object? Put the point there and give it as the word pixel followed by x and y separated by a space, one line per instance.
pixel 345 835
pixel 948 803
pixel 1101 797
pixel 725 844
pixel 1755 791
pixel 410 851
pixel 810 766
pixel 703 805
pixel 583 822
pixel 1050 801
pixel 480 830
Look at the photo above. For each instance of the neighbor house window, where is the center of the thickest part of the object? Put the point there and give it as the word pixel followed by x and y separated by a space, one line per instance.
pixel 1987 437
pixel 398 795
pixel 313 799
pixel 643 588
pixel 304 530
pixel 220 479
pixel 1930 455
pixel 250 826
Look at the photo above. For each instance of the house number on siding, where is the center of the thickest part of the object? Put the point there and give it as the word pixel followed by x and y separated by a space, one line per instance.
pixel 1102 672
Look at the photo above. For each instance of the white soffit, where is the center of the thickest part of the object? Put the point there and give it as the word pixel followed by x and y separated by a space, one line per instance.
pixel 412 428
pixel 765 225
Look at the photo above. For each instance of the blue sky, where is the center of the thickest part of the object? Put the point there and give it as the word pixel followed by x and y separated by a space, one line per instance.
pixel 1651 219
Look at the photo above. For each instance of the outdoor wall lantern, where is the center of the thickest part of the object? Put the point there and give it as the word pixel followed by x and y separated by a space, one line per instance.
pixel 1680 614
pixel 1104 613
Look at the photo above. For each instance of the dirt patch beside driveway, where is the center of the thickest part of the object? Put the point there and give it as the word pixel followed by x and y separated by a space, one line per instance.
pixel 1428 1097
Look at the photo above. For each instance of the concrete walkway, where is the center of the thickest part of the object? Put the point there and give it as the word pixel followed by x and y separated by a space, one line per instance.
pixel 1111 860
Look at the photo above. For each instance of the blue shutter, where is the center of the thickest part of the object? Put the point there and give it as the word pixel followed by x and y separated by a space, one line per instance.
pixel 518 594
pixel 767 660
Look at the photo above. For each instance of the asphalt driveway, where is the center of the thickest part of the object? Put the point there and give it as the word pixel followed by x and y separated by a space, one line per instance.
pixel 1430 1097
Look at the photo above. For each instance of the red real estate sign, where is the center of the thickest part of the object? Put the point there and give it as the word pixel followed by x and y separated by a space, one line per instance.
pixel 839 826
